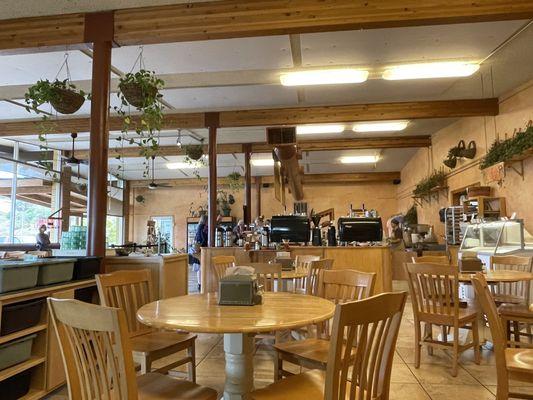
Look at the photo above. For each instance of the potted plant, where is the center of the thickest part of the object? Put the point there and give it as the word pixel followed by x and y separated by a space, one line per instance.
pixel 504 150
pixel 141 90
pixel 436 180
pixel 63 96
pixel 235 181
pixel 194 152
pixel 224 202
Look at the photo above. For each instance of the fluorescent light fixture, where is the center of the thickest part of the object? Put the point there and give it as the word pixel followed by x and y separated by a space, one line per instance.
pixel 380 126
pixel 6 175
pixel 359 159
pixel 184 165
pixel 324 77
pixel 430 70
pixel 262 162
pixel 312 129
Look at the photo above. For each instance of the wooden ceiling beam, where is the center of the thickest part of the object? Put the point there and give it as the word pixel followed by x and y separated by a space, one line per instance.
pixel 285 116
pixel 242 18
pixel 389 142
pixel 25 190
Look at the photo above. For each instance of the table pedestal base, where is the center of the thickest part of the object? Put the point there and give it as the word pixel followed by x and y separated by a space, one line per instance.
pixel 238 348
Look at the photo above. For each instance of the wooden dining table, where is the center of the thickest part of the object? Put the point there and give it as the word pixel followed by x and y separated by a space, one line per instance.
pixel 201 313
pixel 499 276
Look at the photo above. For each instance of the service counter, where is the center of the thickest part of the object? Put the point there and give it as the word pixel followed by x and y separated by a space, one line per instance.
pixel 170 272
pixel 367 259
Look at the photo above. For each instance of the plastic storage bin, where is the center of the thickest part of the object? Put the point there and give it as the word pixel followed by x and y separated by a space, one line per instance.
pixel 19 316
pixel 16 387
pixel 16 351
pixel 55 271
pixel 17 275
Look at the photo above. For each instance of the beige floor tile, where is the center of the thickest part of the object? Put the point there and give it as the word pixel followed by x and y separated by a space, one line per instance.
pixel 407 391
pixel 408 355
pixel 441 375
pixel 486 374
pixel 516 389
pixel 402 374
pixel 457 391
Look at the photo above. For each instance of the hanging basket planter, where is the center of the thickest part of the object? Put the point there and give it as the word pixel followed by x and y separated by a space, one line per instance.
pixel 66 101
pixel 194 152
pixel 138 95
pixel 64 97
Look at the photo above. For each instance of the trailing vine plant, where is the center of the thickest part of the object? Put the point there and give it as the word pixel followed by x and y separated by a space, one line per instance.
pixel 140 91
pixel 503 150
pixel 436 179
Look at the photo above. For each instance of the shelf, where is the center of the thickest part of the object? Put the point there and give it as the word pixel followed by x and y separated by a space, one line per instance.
pixel 497 172
pixel 24 332
pixel 434 194
pixel 17 369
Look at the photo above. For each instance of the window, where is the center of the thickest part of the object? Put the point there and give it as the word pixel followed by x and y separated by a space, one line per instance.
pixel 113 232
pixel 165 225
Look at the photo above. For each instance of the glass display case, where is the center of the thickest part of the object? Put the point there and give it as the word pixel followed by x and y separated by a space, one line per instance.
pixel 497 237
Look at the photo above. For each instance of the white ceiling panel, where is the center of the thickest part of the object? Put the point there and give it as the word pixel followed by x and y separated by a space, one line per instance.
pixel 269 52
pixel 29 68
pixel 11 111
pixel 472 41
pixel 219 98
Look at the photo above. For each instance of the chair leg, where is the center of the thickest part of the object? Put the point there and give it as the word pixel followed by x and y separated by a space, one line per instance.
pixel 146 364
pixel 428 333
pixel 516 329
pixel 475 339
pixel 455 359
pixel 191 367
pixel 278 368
pixel 418 344
pixel 508 331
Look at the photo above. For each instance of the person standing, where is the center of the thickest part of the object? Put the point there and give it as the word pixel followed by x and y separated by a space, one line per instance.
pixel 200 240
pixel 43 239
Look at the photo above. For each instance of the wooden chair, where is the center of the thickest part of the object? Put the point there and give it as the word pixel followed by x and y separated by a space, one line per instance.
pixel 339 286
pixel 434 290
pixel 301 264
pixel 268 275
pixel 431 260
pixel 511 292
pixel 130 290
pixel 371 328
pixel 311 281
pixel 513 363
pixel 219 265
pixel 96 352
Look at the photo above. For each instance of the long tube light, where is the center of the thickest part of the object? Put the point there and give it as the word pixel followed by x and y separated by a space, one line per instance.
pixel 380 126
pixel 324 77
pixel 447 69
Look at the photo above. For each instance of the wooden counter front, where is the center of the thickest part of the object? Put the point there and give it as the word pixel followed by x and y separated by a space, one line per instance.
pixel 368 259
pixel 170 272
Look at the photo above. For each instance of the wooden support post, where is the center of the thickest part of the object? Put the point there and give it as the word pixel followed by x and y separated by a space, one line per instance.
pixel 258 184
pixel 212 122
pixel 126 211
pixel 99 31
pixel 66 184
pixel 247 148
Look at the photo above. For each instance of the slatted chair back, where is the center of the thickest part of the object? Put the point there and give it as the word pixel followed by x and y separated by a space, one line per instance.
pixel 128 290
pixel 301 265
pixel 341 286
pixel 488 306
pixel 96 350
pixel 434 290
pixel 520 291
pixel 313 275
pixel 431 260
pixel 220 264
pixel 371 327
pixel 268 275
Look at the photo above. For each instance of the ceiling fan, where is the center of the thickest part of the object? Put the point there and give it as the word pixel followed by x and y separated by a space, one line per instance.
pixel 72 160
pixel 152 185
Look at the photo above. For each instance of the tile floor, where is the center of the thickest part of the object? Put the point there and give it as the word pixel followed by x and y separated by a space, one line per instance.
pixel 431 381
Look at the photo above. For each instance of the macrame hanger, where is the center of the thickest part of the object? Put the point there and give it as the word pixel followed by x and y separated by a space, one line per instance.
pixel 139 60
pixel 64 65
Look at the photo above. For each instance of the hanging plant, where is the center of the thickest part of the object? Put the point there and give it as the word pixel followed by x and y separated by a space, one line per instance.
pixel 504 150
pixel 194 151
pixel 411 216
pixel 235 181
pixel 140 90
pixel 435 180
pixel 63 96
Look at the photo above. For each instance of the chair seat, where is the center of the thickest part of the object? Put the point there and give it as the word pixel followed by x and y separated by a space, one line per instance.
pixel 305 386
pixel 316 350
pixel 465 315
pixel 507 298
pixel 515 310
pixel 519 360
pixel 156 341
pixel 154 386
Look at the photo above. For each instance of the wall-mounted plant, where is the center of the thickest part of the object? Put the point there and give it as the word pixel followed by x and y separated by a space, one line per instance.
pixel 411 216
pixel 141 91
pixel 235 181
pixel 436 180
pixel 504 150
pixel 460 151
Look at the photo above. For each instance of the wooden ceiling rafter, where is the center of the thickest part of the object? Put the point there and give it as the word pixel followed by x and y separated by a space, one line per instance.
pixel 284 116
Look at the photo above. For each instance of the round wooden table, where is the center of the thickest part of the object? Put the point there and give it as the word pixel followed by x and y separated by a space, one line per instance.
pixel 201 313
pixel 499 276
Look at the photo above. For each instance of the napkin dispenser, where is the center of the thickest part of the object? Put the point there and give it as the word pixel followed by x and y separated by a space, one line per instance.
pixel 239 290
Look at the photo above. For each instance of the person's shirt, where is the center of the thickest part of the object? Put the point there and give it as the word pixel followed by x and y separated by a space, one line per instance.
pixel 201 235
pixel 43 241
